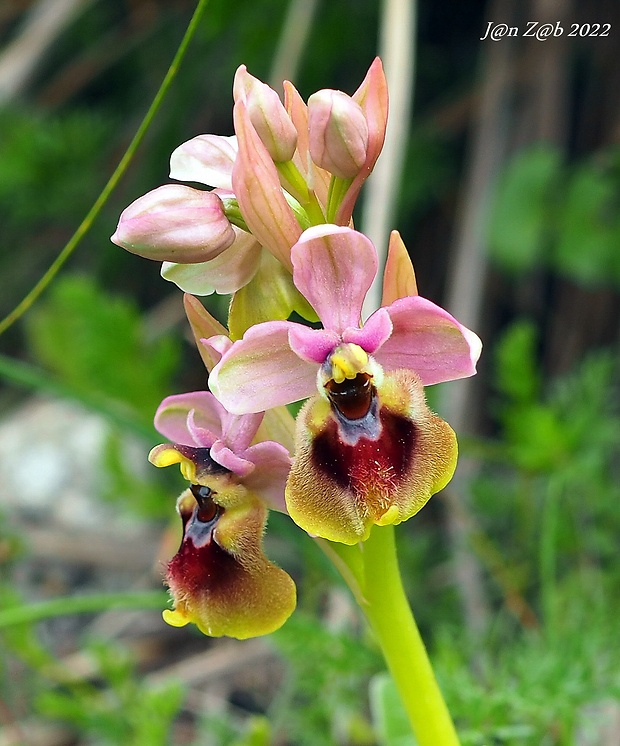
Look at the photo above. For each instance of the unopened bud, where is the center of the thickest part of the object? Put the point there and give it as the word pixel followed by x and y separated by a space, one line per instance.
pixel 175 223
pixel 338 133
pixel 267 115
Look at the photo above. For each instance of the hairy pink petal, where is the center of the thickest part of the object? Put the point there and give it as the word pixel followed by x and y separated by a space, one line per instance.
pixel 205 159
pixel 261 371
pixel 429 341
pixel 333 268
pixel 312 345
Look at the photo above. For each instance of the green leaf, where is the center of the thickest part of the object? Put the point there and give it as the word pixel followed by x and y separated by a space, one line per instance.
pixel 522 213
pixel 589 227
pixel 517 374
pixel 94 342
pixel 388 714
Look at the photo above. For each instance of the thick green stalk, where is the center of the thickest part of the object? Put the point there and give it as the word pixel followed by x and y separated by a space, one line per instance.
pixel 387 610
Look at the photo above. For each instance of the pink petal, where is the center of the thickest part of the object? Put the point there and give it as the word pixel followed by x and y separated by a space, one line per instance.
pixel 171 418
pixel 206 159
pixel 429 341
pixel 227 273
pixel 375 332
pixel 312 345
pixel 223 455
pixel 257 186
pixel 203 325
pixel 201 435
pixel 261 371
pixel 333 268
pixel 268 480
pixel 238 431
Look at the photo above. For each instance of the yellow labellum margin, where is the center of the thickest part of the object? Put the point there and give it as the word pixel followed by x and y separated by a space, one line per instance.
pixel 380 468
pixel 220 579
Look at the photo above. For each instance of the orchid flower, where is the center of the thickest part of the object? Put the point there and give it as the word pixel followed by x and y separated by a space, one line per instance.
pixel 369 450
pixel 220 578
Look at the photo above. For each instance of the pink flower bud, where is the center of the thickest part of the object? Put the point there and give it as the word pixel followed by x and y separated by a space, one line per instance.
pixel 372 96
pixel 267 114
pixel 175 223
pixel 338 133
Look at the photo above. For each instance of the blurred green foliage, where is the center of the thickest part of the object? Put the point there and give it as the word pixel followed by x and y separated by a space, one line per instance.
pixel 564 217
pixel 97 344
pixel 46 167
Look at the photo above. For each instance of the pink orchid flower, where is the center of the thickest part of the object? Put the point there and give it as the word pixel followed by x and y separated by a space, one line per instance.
pixel 369 451
pixel 220 579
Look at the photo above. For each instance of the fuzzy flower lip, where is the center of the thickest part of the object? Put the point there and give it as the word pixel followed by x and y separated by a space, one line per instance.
pixel 220 579
pixel 196 423
pixel 276 362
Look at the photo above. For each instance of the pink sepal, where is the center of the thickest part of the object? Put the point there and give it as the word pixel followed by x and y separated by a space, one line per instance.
pixel 334 267
pixel 257 186
pixel 429 341
pixel 205 159
pixel 261 371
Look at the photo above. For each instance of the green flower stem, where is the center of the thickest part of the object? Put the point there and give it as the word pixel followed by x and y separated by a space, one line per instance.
pixel 338 188
pixel 37 612
pixel 94 211
pixel 382 598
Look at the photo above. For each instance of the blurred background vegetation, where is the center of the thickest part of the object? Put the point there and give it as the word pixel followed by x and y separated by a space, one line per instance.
pixel 509 203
